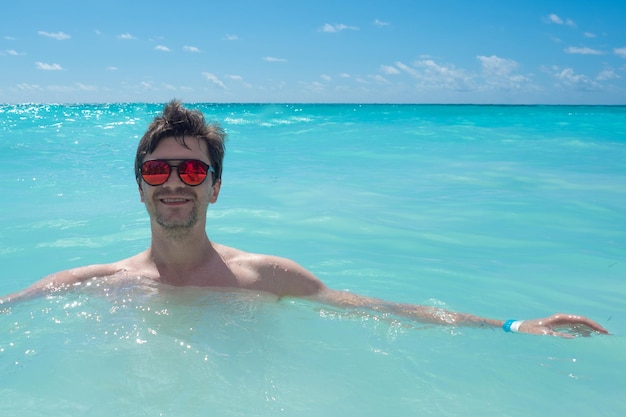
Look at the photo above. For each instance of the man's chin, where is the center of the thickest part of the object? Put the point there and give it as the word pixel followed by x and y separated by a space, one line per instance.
pixel 177 225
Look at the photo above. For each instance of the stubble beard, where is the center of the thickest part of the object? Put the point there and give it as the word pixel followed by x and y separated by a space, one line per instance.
pixel 180 228
pixel 175 229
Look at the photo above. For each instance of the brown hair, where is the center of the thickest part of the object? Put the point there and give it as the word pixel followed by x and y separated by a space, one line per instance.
pixel 177 121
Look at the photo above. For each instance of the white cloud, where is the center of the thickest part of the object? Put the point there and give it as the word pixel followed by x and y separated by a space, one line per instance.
pixel 28 87
pixel 500 73
pixel 379 78
pixel 240 79
pixel 59 36
pixel 380 23
pixel 554 18
pixel 48 67
pixel 389 70
pixel 328 28
pixel 620 52
pixel 607 74
pixel 569 78
pixel 12 52
pixel 111 68
pixel 229 37
pixel 10 38
pixel 344 75
pixel 589 35
pixel 494 65
pixel 162 48
pixel 443 76
pixel 583 51
pixel 126 36
pixel 188 48
pixel 85 87
pixel 213 78
pixel 407 69
pixel 273 59
pixel 497 74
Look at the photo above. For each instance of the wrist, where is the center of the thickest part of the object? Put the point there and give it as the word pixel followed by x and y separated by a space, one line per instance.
pixel 512 326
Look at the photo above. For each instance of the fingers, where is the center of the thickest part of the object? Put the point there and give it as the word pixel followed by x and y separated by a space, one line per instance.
pixel 576 322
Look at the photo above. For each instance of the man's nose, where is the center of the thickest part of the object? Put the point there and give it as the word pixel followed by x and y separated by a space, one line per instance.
pixel 173 180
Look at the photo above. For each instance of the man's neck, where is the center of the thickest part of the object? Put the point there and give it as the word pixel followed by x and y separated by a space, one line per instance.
pixel 180 254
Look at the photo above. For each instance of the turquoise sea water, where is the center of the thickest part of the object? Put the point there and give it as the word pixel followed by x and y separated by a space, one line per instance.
pixel 503 212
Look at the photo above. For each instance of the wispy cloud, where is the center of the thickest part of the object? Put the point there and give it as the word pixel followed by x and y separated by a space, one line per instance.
pixel 188 48
pixel 86 87
pixel 274 59
pixel 437 75
pixel 12 52
pixel 162 48
pixel 213 78
pixel 380 23
pixel 111 68
pixel 569 78
pixel 589 35
pixel 239 79
pixel 328 28
pixel 379 78
pixel 10 38
pixel 126 36
pixel 583 51
pixel 59 36
pixel 48 67
pixel 555 19
pixel 497 73
pixel 608 74
pixel 620 52
pixel 501 73
pixel 28 87
pixel 389 70
pixel 229 37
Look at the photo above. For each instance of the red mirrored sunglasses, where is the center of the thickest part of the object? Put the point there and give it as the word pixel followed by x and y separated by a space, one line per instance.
pixel 190 171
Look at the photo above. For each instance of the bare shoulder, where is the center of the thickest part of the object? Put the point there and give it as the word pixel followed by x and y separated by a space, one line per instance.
pixel 280 276
pixel 62 279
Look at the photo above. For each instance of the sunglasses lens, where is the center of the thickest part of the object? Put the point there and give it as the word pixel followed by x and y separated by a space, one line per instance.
pixel 193 172
pixel 155 172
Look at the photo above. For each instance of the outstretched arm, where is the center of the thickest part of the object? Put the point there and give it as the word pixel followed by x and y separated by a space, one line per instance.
pixel 57 282
pixel 563 325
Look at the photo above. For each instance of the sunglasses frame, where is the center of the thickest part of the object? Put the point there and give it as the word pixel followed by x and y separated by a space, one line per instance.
pixel 170 165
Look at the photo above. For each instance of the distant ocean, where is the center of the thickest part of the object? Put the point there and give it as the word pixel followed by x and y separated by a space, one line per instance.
pixel 500 211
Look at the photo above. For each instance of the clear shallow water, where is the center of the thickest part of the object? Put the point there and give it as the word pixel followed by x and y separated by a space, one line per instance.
pixel 506 212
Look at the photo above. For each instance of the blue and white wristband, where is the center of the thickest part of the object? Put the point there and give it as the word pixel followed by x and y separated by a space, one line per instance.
pixel 512 326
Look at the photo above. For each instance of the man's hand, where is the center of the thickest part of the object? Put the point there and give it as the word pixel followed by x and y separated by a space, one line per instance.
pixel 562 325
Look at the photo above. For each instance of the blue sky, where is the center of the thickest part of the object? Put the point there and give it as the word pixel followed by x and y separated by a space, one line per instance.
pixel 410 51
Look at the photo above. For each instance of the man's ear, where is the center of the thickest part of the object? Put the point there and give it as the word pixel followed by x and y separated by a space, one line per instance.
pixel 215 191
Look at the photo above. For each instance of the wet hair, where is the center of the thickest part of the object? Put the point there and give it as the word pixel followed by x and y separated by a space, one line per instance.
pixel 179 122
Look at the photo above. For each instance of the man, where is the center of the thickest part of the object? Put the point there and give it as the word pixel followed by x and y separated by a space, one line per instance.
pixel 178 167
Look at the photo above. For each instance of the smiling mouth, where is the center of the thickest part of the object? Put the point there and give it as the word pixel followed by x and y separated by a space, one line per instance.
pixel 174 200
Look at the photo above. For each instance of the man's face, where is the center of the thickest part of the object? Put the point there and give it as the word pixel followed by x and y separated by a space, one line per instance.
pixel 174 205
